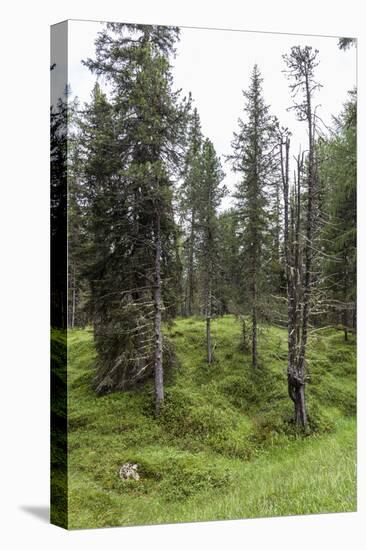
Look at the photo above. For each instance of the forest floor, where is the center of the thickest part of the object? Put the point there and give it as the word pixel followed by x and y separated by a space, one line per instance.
pixel 224 447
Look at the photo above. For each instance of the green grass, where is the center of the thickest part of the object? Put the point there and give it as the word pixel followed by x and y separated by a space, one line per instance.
pixel 225 446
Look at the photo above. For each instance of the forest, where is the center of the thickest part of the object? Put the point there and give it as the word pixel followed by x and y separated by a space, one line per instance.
pixel 213 347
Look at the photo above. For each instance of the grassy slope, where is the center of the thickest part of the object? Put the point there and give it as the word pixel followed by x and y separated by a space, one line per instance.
pixel 224 447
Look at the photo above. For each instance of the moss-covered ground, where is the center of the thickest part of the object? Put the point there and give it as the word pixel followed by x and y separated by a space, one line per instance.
pixel 224 446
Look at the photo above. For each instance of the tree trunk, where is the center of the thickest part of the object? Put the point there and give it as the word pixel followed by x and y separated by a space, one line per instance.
pixel 191 267
pixel 300 417
pixel 208 321
pixel 345 312
pixel 73 298
pixel 254 338
pixel 254 314
pixel 295 371
pixel 345 325
pixel 159 378
pixel 300 408
pixel 209 346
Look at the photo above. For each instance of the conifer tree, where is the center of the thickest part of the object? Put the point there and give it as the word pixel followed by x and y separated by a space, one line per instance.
pixel 149 125
pixel 76 315
pixel 188 204
pixel 229 274
pixel 338 177
pixel 209 195
pixel 253 159
pixel 58 156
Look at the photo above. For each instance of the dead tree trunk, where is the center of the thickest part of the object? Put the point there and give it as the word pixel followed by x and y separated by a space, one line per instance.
pixel 301 292
pixel 295 371
pixel 301 64
pixel 159 375
pixel 300 395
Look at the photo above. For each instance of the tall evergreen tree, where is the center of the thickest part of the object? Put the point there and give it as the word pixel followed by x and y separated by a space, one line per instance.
pixel 149 125
pixel 58 155
pixel 338 177
pixel 229 273
pixel 75 279
pixel 253 159
pixel 188 204
pixel 208 198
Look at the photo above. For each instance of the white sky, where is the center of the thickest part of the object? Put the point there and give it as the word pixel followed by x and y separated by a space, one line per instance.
pixel 215 66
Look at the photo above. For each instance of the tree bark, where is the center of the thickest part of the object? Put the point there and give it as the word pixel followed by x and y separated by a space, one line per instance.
pixel 208 315
pixel 301 419
pixel 254 326
pixel 300 407
pixel 190 289
pixel 295 370
pixel 208 334
pixel 73 297
pixel 345 313
pixel 159 375
pixel 345 324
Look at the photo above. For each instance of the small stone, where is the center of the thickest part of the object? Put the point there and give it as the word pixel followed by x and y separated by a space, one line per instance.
pixel 129 471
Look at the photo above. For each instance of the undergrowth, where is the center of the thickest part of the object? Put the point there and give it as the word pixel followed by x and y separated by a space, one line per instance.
pixel 225 445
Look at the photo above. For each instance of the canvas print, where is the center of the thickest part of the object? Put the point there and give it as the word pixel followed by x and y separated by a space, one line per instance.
pixel 203 263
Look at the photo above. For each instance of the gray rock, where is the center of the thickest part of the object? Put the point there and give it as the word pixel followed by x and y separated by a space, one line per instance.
pixel 129 471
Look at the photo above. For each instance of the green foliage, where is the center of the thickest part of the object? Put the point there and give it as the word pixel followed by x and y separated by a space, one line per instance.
pixel 200 196
pixel 224 445
pixel 338 179
pixel 180 474
pixel 130 145
pixel 59 427
pixel 254 157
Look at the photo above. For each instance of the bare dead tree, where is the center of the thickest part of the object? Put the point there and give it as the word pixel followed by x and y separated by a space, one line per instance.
pixel 301 63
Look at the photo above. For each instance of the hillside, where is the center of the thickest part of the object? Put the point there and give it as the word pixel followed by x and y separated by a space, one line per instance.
pixel 224 446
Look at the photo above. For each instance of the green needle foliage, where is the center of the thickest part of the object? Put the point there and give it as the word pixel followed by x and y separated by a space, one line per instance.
pixel 338 176
pixel 163 276
pixel 132 142
pixel 254 159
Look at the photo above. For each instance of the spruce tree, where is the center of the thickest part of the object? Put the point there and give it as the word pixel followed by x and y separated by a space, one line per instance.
pixel 253 159
pixel 208 198
pixel 58 167
pixel 338 176
pixel 188 206
pixel 229 272
pixel 149 125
